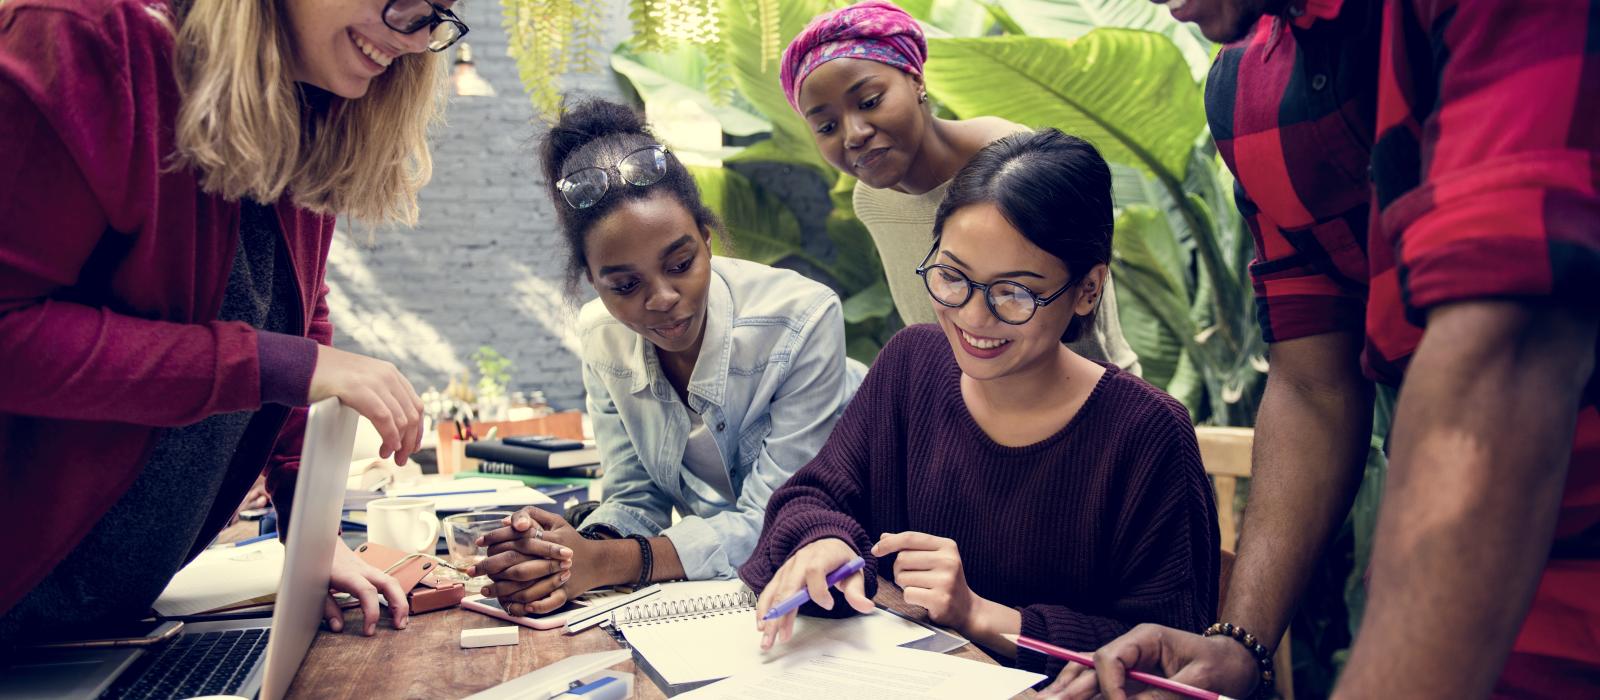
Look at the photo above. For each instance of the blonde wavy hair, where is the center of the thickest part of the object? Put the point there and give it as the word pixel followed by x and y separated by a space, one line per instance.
pixel 244 130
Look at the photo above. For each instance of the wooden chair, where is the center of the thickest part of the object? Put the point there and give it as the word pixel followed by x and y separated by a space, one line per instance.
pixel 1225 452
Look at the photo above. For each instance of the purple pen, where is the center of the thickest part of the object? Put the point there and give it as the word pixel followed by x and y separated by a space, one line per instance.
pixel 794 602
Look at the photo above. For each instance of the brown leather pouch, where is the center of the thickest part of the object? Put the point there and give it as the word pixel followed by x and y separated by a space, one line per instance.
pixel 417 574
pixel 433 593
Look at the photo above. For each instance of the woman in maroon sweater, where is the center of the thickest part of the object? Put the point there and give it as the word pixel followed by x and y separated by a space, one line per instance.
pixel 1005 483
pixel 170 171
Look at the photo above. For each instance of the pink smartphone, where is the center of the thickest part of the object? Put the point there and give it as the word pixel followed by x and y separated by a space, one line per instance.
pixel 554 619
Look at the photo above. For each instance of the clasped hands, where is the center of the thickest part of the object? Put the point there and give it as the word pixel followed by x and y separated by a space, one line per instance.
pixel 534 561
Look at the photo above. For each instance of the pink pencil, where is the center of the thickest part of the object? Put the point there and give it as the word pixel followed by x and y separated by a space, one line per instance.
pixel 1049 649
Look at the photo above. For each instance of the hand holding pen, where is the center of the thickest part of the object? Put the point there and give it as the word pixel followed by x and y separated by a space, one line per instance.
pixel 809 575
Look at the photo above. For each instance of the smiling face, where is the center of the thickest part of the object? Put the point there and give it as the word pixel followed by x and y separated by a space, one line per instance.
pixel 983 245
pixel 341 45
pixel 1222 20
pixel 651 266
pixel 866 118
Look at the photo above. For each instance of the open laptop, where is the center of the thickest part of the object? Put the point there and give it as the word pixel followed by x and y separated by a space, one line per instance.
pixel 240 657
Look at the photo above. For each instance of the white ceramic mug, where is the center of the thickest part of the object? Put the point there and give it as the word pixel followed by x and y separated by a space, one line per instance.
pixel 407 524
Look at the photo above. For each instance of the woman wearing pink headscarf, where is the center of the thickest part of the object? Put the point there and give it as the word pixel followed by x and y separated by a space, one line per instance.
pixel 855 75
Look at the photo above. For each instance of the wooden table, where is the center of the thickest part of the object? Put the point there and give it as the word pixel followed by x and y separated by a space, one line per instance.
pixel 426 660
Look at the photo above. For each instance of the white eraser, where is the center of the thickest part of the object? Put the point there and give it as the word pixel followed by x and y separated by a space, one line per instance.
pixel 488 637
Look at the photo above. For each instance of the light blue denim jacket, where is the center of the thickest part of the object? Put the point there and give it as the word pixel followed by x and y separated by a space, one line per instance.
pixel 771 379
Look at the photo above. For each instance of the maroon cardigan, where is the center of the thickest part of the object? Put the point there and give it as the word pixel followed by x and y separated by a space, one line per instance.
pixel 112 272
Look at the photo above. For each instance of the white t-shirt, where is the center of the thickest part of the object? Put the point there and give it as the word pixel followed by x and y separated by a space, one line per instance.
pixel 703 460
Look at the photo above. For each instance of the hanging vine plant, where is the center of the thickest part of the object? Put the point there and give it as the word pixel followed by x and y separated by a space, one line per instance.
pixel 548 38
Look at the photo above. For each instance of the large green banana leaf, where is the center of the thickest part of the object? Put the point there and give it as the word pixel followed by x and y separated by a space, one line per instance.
pixel 1070 19
pixel 674 77
pixel 961 18
pixel 755 73
pixel 1153 304
pixel 1129 92
pixel 872 302
pixel 760 227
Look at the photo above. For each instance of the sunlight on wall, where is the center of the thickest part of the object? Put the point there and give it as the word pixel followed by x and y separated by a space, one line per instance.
pixel 546 304
pixel 366 316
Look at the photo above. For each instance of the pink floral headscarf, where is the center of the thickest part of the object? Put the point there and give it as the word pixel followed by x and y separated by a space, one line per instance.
pixel 875 30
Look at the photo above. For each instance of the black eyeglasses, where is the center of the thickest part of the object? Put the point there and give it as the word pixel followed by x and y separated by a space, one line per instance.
pixel 411 16
pixel 584 187
pixel 1009 301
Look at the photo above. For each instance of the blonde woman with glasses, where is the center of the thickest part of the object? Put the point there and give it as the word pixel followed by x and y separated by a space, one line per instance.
pixel 170 171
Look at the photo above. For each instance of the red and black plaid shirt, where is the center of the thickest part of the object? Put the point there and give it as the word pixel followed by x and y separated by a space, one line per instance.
pixel 1394 156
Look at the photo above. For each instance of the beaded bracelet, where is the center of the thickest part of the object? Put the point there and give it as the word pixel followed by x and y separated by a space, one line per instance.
pixel 646 560
pixel 1252 645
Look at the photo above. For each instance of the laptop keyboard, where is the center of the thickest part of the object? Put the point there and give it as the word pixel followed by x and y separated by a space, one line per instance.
pixel 213 663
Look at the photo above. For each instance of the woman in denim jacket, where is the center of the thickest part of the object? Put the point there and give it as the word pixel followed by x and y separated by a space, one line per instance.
pixel 710 380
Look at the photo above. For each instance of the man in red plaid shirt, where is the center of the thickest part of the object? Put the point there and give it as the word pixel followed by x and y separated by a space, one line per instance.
pixel 1423 182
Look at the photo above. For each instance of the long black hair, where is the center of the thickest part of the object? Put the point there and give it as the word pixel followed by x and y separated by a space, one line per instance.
pixel 599 133
pixel 1053 188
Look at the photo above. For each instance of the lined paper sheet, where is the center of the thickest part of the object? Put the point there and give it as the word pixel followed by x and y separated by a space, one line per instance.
pixel 718 645
pixel 842 673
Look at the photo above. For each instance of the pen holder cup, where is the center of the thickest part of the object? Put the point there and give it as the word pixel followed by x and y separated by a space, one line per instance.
pixel 452 451
pixel 452 454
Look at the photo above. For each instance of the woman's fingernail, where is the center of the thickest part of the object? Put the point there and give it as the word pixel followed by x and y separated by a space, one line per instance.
pixel 566 552
pixel 566 576
pixel 478 541
pixel 566 563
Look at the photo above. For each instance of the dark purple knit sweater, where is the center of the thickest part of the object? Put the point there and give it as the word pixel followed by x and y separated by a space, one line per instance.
pixel 1106 524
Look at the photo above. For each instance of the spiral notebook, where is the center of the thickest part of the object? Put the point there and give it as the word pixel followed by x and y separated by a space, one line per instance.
pixel 701 631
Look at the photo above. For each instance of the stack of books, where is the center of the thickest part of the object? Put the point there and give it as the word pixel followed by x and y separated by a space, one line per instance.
pixel 499 458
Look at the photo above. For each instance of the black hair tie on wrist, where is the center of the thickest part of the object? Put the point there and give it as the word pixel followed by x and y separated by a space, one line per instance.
pixel 646 560
pixel 1256 649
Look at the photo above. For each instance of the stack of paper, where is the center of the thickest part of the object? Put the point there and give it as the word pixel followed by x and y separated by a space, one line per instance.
pixel 225 579
pixel 844 673
pixel 476 493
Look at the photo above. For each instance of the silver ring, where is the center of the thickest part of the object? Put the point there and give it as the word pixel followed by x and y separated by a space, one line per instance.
pixel 538 534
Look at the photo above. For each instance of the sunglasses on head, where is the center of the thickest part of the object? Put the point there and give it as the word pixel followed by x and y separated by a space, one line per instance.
pixel 583 188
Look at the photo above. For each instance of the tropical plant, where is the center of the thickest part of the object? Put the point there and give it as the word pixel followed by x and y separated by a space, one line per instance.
pixel 1180 254
pixel 548 38
pixel 766 192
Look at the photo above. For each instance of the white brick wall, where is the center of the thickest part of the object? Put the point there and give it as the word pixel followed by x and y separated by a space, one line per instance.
pixel 484 265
